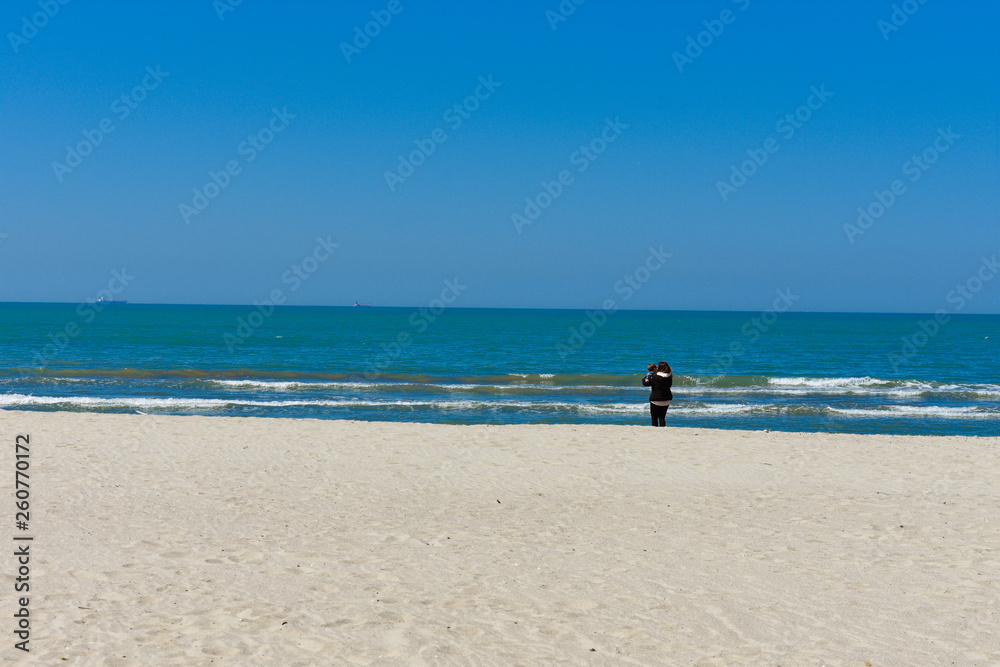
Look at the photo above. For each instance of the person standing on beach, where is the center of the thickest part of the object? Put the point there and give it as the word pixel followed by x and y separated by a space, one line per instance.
pixel 660 394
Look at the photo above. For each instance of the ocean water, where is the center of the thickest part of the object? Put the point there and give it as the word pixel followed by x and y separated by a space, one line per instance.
pixel 858 373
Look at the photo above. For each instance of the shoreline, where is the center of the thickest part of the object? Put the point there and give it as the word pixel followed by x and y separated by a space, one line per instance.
pixel 253 539
pixel 642 409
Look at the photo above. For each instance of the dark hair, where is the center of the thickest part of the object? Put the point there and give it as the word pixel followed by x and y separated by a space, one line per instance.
pixel 651 367
pixel 664 367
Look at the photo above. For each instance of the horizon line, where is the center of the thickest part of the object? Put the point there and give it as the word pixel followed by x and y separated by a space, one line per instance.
pixel 631 310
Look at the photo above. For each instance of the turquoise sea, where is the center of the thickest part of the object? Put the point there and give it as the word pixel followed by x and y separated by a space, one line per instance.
pixel 858 373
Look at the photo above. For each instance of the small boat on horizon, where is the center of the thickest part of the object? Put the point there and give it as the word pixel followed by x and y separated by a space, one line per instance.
pixel 358 304
pixel 106 300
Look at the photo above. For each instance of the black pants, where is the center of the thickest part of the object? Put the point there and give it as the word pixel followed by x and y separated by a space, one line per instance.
pixel 659 414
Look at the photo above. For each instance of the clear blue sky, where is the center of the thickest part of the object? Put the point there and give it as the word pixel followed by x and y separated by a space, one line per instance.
pixel 655 184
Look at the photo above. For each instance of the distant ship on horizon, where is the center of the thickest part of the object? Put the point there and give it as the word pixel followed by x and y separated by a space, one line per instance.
pixel 106 300
pixel 358 304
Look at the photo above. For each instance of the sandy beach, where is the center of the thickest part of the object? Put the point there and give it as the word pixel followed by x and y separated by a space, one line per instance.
pixel 241 541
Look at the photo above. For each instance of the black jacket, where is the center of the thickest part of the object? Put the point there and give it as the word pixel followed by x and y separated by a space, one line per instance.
pixel 660 387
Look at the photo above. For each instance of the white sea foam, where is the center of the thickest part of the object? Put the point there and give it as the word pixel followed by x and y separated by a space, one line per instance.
pixel 601 407
pixel 687 409
pixel 979 389
pixel 919 411
pixel 797 386
pixel 724 408
pixel 279 385
pixel 856 386
pixel 802 390
pixel 822 383
pixel 13 400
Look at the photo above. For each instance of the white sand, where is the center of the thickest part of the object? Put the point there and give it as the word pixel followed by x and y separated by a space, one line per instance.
pixel 188 540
